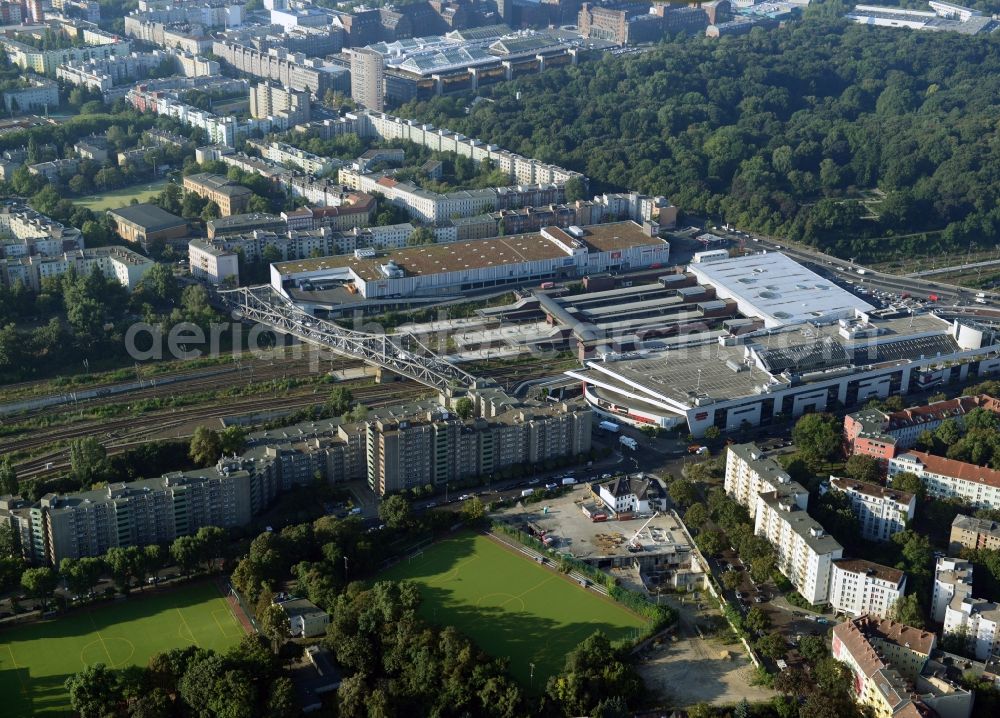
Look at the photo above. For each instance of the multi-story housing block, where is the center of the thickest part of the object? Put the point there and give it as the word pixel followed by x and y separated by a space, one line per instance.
pixel 291 107
pixel 40 94
pixel 285 154
pixel 119 263
pixel 98 44
pixel 292 70
pixel 884 435
pixel 973 533
pixel 881 511
pixel 403 453
pixel 749 473
pixel 952 578
pixel 943 478
pixel 805 552
pixel 889 664
pixel 859 587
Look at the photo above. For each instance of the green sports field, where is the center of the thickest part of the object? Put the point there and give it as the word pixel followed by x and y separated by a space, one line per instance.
pixel 510 606
pixel 121 197
pixel 36 659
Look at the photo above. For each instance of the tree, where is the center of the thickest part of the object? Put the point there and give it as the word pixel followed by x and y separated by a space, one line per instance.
pixel 8 477
pixel 273 622
pixel 817 438
pixel 696 516
pixel 713 433
pixel 864 468
pixel 473 509
pixel 394 511
pixel 210 211
pixel 762 567
pixel 731 580
pixel 575 189
pixel 40 583
pixel 340 401
pixel 88 460
pixel 125 564
pixel 909 482
pixel 160 283
pixel 465 408
pixel 813 649
pixel 211 544
pixel 282 701
pixel 232 440
pixel 772 646
pixel 420 236
pixel 906 610
pixel 757 620
pixel 948 432
pixel 95 692
pixel 682 492
pixel 81 575
pixel 186 552
pixel 593 673
pixel 206 446
pixel 711 543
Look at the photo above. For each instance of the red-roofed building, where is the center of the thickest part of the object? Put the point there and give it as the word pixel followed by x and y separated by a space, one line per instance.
pixel 977 486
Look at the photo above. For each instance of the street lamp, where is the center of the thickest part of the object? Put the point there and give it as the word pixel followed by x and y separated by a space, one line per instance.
pixel 531 678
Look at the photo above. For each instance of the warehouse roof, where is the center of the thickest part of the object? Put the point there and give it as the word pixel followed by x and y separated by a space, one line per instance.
pixel 148 216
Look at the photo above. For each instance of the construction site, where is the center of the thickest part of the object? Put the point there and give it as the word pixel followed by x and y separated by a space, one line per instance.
pixel 653 547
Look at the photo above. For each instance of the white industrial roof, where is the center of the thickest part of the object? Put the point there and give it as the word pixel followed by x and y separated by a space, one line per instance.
pixel 779 290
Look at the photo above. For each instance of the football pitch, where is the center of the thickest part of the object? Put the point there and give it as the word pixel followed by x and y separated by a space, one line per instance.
pixel 511 607
pixel 36 659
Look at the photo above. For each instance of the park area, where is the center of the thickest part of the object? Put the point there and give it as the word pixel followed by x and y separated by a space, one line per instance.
pixel 511 607
pixel 36 659
pixel 121 197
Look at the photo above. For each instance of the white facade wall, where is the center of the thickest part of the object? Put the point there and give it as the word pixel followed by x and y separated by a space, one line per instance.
pixel 857 593
pixel 974 493
pixel 880 516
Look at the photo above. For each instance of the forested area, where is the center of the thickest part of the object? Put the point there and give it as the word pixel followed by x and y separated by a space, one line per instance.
pixel 782 132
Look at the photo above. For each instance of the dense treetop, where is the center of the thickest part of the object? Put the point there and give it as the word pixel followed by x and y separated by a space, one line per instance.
pixel 776 129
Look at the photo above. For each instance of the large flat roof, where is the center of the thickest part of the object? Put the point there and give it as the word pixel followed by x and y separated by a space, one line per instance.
pixel 778 289
pixel 148 216
pixel 474 254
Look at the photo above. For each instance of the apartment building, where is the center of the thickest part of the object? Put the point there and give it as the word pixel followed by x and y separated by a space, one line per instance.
pixel 952 579
pixel 245 223
pixel 978 620
pixel 285 154
pixel 437 448
pixel 119 263
pixel 268 99
pixel 291 70
pixel 40 94
pixel 368 78
pixel 805 552
pixel 232 198
pixel 859 587
pixel 213 263
pixel 943 478
pixel 54 170
pixel 24 232
pixel 98 45
pixel 884 435
pixel 750 473
pixel 629 23
pixel 971 532
pixel 881 511
pixel 889 662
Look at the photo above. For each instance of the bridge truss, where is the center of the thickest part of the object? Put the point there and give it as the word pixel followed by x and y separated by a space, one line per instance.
pixel 401 353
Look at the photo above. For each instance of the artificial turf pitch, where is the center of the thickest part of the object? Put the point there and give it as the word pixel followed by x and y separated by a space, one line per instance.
pixel 510 606
pixel 36 659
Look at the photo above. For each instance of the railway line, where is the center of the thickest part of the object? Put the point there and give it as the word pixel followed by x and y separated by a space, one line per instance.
pixel 120 435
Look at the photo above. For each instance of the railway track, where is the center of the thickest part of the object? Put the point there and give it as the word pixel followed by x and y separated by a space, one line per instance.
pixel 121 435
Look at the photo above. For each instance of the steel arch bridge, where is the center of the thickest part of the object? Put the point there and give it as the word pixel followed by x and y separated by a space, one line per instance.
pixel 402 354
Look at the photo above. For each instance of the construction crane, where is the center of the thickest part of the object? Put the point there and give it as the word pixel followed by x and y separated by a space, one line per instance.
pixel 633 543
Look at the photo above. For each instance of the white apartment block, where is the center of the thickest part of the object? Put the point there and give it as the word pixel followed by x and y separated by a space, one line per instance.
pixel 943 478
pixel 881 511
pixel 859 587
pixel 805 552
pixel 291 107
pixel 979 619
pixel 212 262
pixel 26 233
pixel 284 154
pixel 119 263
pixel 221 130
pixel 750 473
pixel 952 578
pixel 40 94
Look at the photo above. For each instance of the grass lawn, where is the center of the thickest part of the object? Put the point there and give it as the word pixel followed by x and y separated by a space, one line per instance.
pixel 121 197
pixel 36 659
pixel 510 606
